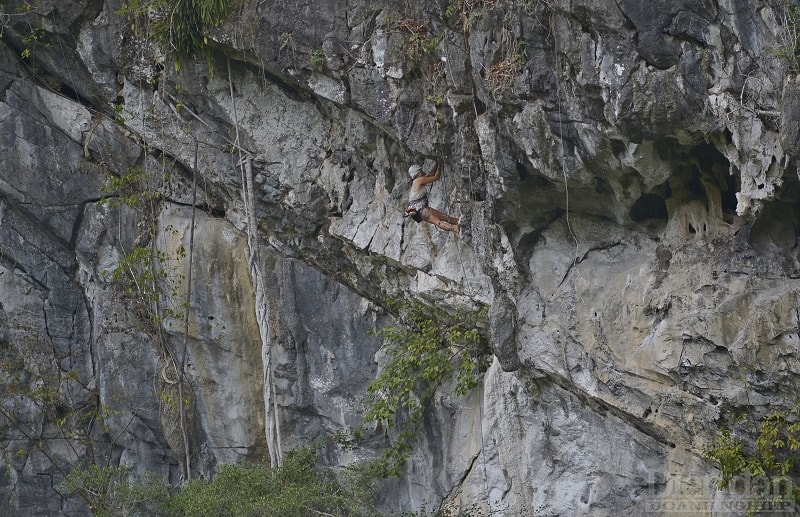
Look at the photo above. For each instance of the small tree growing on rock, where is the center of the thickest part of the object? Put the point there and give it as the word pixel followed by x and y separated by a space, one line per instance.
pixel 427 350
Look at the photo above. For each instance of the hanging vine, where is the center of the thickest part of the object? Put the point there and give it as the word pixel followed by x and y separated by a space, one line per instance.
pixel 271 417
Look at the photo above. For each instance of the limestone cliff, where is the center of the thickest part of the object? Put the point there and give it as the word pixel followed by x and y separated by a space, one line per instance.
pixel 628 172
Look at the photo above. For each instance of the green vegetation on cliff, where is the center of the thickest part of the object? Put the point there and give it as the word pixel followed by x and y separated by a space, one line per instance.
pixel 299 487
pixel 772 460
pixel 178 25
pixel 426 350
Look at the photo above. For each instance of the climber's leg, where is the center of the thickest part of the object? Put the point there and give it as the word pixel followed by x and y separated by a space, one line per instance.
pixel 443 217
pixel 431 217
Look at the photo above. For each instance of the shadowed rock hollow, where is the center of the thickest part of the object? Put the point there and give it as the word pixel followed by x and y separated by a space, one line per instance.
pixel 628 172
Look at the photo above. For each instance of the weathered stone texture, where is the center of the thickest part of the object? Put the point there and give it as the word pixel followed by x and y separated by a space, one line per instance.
pixel 628 172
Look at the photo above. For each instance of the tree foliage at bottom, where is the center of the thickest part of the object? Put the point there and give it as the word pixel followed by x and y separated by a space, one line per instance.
pixel 770 465
pixel 299 487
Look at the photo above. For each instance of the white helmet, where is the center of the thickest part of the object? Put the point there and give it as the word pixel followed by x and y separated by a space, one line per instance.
pixel 413 170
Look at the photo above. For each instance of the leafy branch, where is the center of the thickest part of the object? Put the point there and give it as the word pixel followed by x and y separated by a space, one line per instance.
pixel 772 457
pixel 300 486
pixel 109 492
pixel 427 350
pixel 135 188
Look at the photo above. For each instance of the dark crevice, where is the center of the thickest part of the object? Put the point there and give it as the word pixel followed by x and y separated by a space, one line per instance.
pixel 212 210
pixel 35 235
pixel 600 246
pixel 522 171
pixel 76 226
pixel 649 206
pixel 70 92
pixel 13 265
pixel 601 407
pixel 480 107
pixel 777 226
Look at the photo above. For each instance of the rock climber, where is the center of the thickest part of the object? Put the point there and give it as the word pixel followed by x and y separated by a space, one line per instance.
pixel 418 208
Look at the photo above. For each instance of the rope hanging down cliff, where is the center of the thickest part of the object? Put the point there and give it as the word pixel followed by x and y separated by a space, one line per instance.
pixel 465 227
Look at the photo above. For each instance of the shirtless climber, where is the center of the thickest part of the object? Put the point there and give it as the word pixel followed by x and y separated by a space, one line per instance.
pixel 418 208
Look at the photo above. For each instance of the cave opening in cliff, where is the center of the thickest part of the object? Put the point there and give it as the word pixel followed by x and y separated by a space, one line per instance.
pixel 699 172
pixel 649 206
pixel 714 167
pixel 777 225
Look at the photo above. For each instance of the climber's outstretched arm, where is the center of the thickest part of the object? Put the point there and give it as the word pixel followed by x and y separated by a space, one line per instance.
pixel 432 176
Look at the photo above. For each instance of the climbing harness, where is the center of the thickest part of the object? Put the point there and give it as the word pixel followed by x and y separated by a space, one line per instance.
pixel 414 214
pixel 415 208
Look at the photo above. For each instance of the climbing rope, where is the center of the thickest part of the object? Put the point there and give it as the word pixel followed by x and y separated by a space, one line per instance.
pixel 565 173
pixel 475 355
pixel 448 208
pixel 470 293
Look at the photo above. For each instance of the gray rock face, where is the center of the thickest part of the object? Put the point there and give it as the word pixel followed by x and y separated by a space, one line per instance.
pixel 628 172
